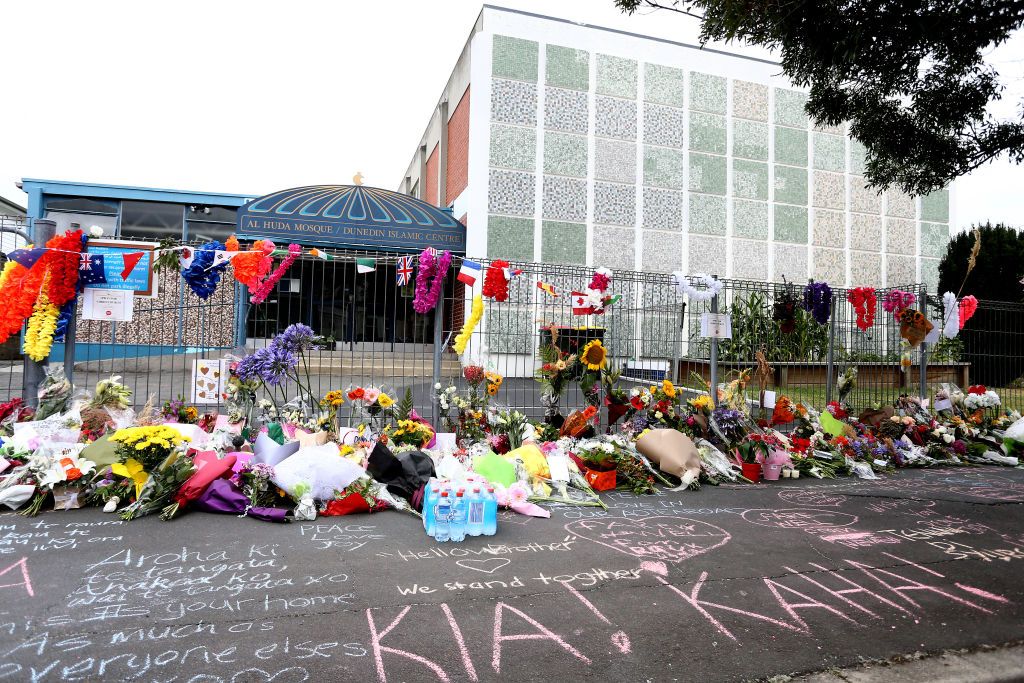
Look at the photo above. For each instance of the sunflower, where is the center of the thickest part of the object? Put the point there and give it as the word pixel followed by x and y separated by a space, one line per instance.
pixel 385 401
pixel 333 399
pixel 594 355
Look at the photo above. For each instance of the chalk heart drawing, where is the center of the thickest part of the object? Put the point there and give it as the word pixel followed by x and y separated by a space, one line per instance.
pixel 799 518
pixel 812 499
pixel 488 566
pixel 669 539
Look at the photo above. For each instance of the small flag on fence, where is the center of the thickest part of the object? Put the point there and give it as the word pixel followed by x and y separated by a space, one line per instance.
pixel 131 259
pixel 547 288
pixel 320 254
pixel 580 304
pixel 186 257
pixel 27 257
pixel 365 265
pixel 403 271
pixel 469 272
pixel 221 256
pixel 93 273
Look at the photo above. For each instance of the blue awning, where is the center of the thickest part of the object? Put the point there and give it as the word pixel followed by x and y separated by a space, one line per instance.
pixel 351 216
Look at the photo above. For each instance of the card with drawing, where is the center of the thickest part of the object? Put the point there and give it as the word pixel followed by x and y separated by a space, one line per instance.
pixel 207 378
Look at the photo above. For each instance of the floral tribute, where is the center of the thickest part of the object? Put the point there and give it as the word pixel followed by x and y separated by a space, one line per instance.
pixel 968 306
pixel 496 281
pixel 430 280
pixel 202 276
pixel 896 301
pixel 864 302
pixel 267 286
pixel 818 301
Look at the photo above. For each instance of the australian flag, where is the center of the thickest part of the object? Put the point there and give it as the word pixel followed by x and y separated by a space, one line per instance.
pixel 27 257
pixel 90 270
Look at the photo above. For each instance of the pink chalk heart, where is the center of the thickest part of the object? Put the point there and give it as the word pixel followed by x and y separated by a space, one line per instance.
pixel 669 539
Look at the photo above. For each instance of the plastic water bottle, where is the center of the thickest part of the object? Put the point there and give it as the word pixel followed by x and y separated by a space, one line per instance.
pixel 429 503
pixel 475 520
pixel 490 512
pixel 442 518
pixel 457 525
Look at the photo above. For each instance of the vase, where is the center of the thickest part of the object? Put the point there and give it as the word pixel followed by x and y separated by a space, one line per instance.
pixel 752 471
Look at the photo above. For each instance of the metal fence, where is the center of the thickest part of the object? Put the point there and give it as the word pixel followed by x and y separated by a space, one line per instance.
pixel 652 332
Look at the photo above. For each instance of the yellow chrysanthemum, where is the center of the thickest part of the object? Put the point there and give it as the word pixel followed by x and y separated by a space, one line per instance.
pixel 668 388
pixel 594 355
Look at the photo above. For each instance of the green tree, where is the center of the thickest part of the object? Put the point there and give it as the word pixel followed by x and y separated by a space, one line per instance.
pixel 910 77
pixel 992 338
pixel 999 268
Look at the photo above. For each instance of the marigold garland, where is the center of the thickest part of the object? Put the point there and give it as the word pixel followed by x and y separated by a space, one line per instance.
pixel 864 302
pixel 251 266
pixel 41 328
pixel 430 280
pixel 462 339
pixel 21 291
pixel 495 282
pixel 265 287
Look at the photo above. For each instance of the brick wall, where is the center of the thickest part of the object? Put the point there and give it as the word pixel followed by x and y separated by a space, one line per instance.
pixel 430 191
pixel 458 150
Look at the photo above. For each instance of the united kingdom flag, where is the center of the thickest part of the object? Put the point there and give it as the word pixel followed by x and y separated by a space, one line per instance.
pixel 403 271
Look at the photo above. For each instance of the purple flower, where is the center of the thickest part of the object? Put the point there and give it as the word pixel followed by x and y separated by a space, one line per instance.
pixel 818 301
pixel 296 338
pixel 268 364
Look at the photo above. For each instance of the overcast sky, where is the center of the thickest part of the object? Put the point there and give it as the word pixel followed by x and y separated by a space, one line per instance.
pixel 251 97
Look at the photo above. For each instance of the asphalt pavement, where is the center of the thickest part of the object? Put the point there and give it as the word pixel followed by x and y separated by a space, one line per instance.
pixel 732 583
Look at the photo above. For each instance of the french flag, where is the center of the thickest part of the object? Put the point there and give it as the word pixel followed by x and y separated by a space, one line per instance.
pixel 469 272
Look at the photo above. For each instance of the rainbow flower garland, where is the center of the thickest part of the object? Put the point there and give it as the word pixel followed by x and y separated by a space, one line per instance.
pixel 430 280
pixel 462 339
pixel 267 286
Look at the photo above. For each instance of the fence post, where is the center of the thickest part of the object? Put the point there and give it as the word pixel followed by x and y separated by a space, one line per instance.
pixel 830 366
pixel 678 343
pixel 69 344
pixel 438 338
pixel 714 355
pixel 923 379
pixel 42 231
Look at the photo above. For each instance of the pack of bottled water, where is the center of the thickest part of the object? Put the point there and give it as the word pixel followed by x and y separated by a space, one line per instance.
pixel 453 510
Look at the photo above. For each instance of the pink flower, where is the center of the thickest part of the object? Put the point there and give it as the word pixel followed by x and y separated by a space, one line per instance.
pixel 517 493
pixel 501 495
pixel 371 394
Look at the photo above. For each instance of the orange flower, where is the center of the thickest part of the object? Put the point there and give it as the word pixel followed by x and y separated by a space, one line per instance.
pixel 356 394
pixel 589 412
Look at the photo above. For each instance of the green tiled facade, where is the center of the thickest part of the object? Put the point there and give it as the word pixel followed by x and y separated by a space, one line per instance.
pixel 790 146
pixel 707 173
pixel 750 179
pixel 750 140
pixel 566 67
pixel 616 76
pixel 724 174
pixel 663 167
pixel 563 242
pixel 708 93
pixel 663 85
pixel 707 133
pixel 790 224
pixel 514 58
pixel 565 154
pixel 789 108
pixel 510 238
pixel 791 185
pixel 513 147
pixel 935 206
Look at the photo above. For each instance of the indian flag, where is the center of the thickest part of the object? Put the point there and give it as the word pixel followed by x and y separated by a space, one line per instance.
pixel 365 265
pixel 321 254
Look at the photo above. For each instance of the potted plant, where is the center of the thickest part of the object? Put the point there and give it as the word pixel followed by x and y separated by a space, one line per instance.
pixel 752 451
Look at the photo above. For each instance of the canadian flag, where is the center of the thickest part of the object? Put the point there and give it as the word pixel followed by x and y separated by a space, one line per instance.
pixel 581 304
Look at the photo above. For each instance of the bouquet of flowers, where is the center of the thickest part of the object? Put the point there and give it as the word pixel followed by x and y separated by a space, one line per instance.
pixel 107 410
pixel 556 370
pixel 410 433
pixel 374 401
pixel 728 425
pixel 176 410
pixel 53 466
pixel 444 396
pixel 275 368
pixel 150 457
pixel 632 470
pixel 980 398
pixel 846 383
pixel 54 393
pixel 254 480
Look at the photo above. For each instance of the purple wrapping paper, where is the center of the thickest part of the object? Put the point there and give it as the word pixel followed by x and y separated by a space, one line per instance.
pixel 224 497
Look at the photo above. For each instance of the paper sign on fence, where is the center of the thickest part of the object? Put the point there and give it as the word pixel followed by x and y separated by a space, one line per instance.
pixel 207 379
pixel 716 326
pixel 107 304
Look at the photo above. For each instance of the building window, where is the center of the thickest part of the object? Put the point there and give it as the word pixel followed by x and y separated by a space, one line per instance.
pixel 151 220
